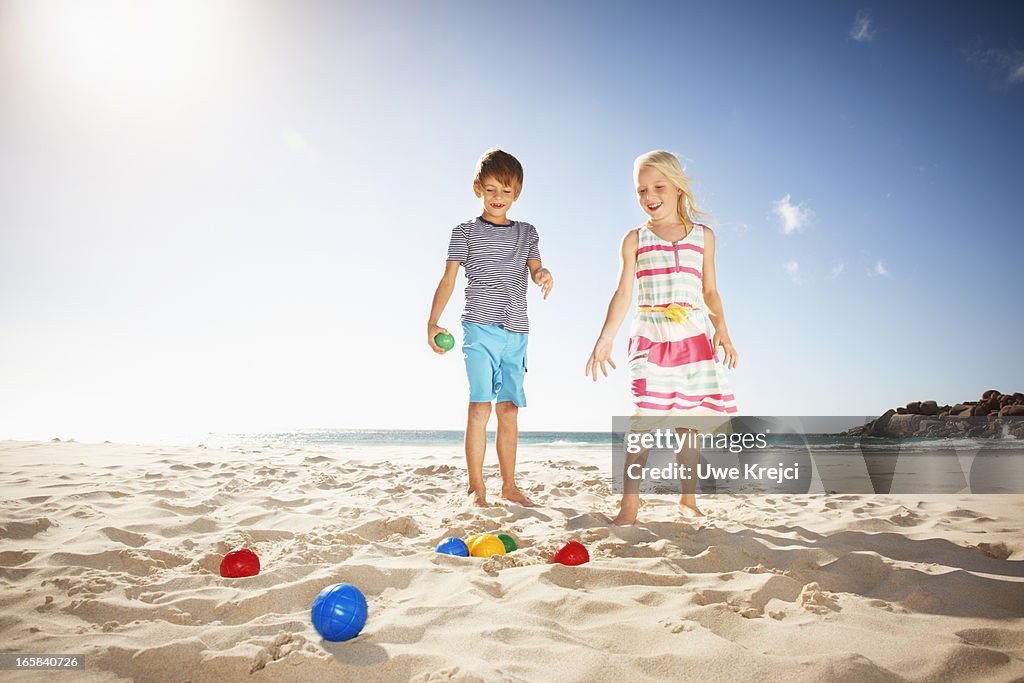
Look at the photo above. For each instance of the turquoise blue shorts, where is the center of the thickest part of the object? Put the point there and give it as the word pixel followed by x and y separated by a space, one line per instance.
pixel 495 363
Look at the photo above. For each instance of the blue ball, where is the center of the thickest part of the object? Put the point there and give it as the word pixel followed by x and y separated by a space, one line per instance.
pixel 339 612
pixel 453 546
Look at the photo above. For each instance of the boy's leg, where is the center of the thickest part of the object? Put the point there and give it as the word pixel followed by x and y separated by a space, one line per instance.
pixel 507 440
pixel 478 349
pixel 688 456
pixel 476 446
pixel 511 397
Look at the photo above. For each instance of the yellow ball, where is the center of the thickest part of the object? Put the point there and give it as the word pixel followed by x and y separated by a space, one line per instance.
pixel 485 545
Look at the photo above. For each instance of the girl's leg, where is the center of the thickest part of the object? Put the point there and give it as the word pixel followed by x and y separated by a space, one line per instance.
pixel 688 456
pixel 506 441
pixel 476 446
pixel 630 502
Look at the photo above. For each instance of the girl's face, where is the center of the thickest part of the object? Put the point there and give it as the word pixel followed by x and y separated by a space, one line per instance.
pixel 658 197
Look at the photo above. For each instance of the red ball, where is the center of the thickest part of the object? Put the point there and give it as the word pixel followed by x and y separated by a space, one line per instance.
pixel 572 554
pixel 240 563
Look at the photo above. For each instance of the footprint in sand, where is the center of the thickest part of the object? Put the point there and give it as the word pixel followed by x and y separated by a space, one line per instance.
pixel 134 562
pixel 324 481
pixel 1006 639
pixel 997 551
pixel 963 513
pixel 815 600
pixel 496 563
pixel 905 517
pixel 380 529
pixel 433 469
pixel 282 646
pixel 13 558
pixel 128 538
pixel 678 625
pixel 588 520
pixel 23 530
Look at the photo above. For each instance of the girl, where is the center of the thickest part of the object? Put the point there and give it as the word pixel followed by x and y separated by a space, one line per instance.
pixel 673 362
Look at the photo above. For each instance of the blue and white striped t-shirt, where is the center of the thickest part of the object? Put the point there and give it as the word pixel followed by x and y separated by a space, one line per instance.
pixel 494 257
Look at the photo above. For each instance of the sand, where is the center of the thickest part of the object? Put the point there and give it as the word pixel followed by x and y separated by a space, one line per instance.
pixel 112 551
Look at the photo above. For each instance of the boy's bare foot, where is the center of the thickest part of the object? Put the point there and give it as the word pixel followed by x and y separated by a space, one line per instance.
pixel 628 507
pixel 477 497
pixel 516 496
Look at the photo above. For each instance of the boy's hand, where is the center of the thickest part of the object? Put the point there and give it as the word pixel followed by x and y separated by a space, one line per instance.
pixel 602 354
pixel 543 277
pixel 433 331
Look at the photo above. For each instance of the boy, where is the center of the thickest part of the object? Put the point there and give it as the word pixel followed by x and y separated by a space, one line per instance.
pixel 497 254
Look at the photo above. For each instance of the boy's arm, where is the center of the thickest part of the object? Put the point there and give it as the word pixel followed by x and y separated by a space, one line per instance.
pixel 441 296
pixel 538 273
pixel 541 275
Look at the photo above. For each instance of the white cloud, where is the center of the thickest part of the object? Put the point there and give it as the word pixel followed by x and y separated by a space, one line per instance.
pixel 879 269
pixel 1004 66
pixel 862 30
pixel 793 268
pixel 838 269
pixel 794 216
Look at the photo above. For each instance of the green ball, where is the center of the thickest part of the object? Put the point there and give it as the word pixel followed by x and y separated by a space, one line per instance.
pixel 508 541
pixel 445 341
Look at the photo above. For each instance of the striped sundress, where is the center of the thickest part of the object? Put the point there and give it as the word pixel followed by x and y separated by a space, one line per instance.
pixel 672 366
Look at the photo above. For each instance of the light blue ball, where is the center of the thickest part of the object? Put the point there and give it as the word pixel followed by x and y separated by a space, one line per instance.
pixel 453 546
pixel 339 612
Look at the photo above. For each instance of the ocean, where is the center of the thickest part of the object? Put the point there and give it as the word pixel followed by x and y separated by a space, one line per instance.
pixel 406 437
pixel 822 462
pixel 591 440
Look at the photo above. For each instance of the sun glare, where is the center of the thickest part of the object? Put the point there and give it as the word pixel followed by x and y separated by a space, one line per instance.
pixel 115 47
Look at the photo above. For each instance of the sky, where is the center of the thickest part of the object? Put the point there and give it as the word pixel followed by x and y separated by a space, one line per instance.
pixel 232 216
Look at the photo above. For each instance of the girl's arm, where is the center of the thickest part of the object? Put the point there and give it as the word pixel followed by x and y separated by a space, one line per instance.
pixel 444 292
pixel 617 309
pixel 713 302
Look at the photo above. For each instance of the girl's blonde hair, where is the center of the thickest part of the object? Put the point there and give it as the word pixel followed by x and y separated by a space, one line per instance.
pixel 669 165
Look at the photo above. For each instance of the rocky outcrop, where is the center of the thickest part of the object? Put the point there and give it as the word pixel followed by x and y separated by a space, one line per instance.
pixel 994 415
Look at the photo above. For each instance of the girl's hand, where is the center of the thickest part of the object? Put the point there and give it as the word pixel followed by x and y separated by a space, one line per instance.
pixel 433 331
pixel 543 277
pixel 601 354
pixel 722 339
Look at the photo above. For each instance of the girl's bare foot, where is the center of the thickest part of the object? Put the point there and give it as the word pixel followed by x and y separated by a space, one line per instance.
pixel 513 494
pixel 688 506
pixel 628 507
pixel 690 511
pixel 477 497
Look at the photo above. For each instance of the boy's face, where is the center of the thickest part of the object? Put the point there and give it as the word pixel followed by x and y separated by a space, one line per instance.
pixel 497 198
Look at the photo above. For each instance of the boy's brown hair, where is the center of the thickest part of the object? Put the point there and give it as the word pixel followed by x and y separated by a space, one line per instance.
pixel 502 166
